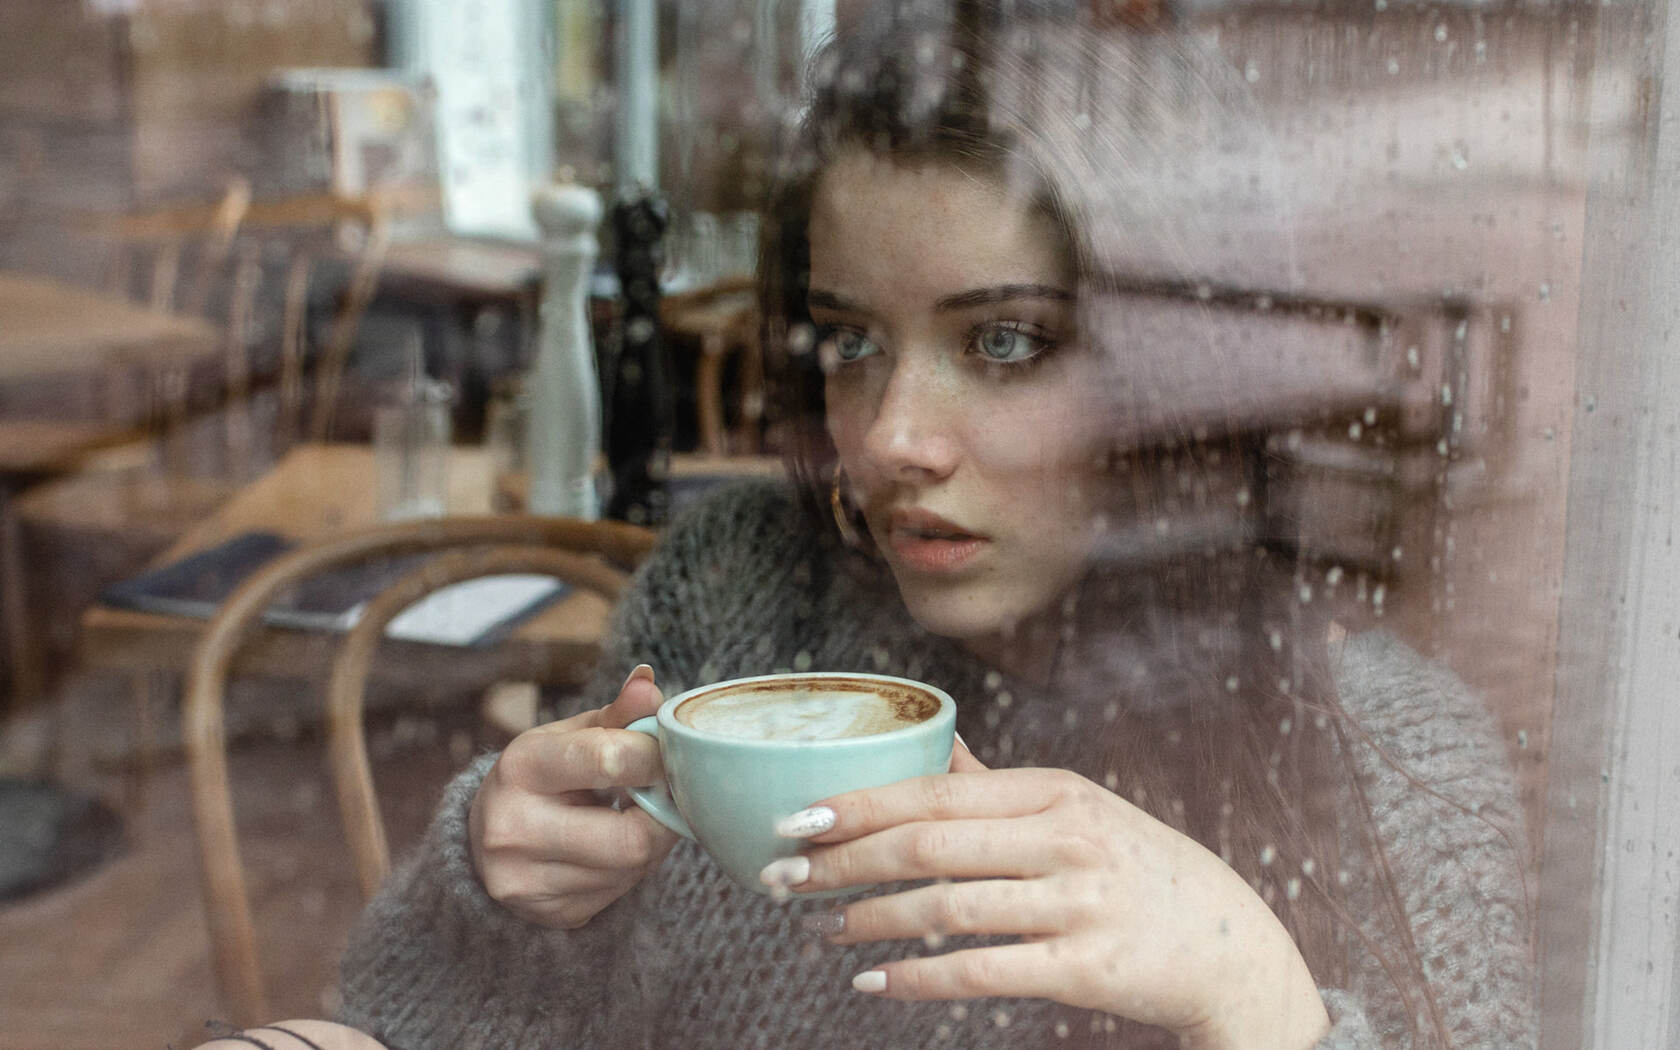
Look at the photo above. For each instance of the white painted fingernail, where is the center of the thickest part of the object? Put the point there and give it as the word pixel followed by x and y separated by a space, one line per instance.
pixel 639 671
pixel 961 741
pixel 871 981
pixel 786 871
pixel 805 823
pixel 823 923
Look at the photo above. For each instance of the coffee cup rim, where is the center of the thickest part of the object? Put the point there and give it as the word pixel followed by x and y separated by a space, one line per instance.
pixel 668 721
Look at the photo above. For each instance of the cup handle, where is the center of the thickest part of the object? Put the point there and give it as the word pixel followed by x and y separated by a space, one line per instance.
pixel 656 798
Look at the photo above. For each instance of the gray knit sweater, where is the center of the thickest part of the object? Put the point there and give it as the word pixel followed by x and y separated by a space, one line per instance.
pixel 741 586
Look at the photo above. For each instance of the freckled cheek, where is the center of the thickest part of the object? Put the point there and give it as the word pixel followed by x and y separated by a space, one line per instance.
pixel 847 423
pixel 1058 448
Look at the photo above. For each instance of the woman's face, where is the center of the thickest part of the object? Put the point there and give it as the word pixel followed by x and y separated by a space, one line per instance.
pixel 961 406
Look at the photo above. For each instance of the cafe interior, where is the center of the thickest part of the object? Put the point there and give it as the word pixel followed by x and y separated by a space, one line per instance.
pixel 354 352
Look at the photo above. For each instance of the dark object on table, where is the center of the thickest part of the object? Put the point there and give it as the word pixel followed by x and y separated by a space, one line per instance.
pixel 639 403
pixel 475 613
pixel 49 836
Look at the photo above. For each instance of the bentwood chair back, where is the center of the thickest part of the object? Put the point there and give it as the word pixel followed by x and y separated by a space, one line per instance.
pixel 592 555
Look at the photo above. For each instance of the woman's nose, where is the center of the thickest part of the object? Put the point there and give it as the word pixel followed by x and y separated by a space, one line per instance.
pixel 912 435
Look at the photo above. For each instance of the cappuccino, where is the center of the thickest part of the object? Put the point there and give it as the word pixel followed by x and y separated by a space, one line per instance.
pixel 823 710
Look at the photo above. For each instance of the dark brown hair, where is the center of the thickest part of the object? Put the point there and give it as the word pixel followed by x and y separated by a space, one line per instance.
pixel 1242 745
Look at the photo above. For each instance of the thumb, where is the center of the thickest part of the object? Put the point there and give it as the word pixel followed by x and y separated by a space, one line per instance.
pixel 637 698
pixel 963 760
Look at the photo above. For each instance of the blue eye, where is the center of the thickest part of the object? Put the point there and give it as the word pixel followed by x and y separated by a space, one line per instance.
pixel 846 344
pixel 1007 345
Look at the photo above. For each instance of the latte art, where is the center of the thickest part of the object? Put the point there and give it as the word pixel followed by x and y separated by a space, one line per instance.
pixel 824 714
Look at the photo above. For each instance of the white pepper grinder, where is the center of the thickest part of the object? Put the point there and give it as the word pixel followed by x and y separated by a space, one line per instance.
pixel 563 435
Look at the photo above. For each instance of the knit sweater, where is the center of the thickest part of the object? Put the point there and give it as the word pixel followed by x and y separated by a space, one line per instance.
pixel 741 585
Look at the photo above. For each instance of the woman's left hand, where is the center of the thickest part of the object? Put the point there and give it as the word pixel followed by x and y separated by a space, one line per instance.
pixel 1115 910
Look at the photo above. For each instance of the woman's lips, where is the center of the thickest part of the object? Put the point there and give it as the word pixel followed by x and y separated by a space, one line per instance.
pixel 925 542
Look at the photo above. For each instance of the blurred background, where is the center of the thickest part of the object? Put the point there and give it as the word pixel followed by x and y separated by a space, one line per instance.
pixel 295 268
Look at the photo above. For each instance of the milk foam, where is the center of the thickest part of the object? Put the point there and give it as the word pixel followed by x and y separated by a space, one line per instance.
pixel 825 715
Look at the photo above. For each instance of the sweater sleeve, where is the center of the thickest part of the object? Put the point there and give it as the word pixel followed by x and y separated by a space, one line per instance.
pixel 433 961
pixel 1445 808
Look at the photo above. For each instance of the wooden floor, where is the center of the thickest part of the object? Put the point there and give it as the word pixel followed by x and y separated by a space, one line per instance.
pixel 120 958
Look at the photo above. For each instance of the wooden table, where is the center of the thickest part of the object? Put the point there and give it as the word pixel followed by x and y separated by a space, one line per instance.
pixel 316 491
pixel 48 331
pixel 48 328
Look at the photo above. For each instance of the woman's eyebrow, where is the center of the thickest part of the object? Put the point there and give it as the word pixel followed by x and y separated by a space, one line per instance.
pixel 1003 293
pixel 816 297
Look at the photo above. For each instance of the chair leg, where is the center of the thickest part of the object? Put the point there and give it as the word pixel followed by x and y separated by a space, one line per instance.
pixel 143 689
pixel 21 654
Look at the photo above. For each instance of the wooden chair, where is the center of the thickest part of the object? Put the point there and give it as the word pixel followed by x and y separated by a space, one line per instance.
pixel 241 256
pixel 594 555
pixel 252 267
pixel 723 319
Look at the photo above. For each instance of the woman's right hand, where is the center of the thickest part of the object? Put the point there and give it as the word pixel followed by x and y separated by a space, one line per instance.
pixel 544 843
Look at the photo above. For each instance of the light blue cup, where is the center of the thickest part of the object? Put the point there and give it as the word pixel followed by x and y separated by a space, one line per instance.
pixel 727 793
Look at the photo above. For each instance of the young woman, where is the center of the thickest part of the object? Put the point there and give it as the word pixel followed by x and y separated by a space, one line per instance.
pixel 1185 813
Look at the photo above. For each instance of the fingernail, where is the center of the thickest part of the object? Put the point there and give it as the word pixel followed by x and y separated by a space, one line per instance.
pixel 786 871
pixel 961 741
pixel 805 823
pixel 871 981
pixel 639 671
pixel 823 923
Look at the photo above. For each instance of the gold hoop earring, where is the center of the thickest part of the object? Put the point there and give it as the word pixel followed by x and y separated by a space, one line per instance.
pixel 837 507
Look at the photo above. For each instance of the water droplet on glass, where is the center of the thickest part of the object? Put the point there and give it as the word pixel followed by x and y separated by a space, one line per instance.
pixel 1393 67
pixel 1592 404
pixel 1308 866
pixel 1285 726
pixel 801 338
pixel 1333 575
pixel 1522 739
pixel 1243 497
pixel 1371 416
pixel 1481 50
pixel 1355 430
pixel 934 940
pixel 1267 855
pixel 1446 394
pixel 1545 291
pixel 802 661
pixel 1062 1030
pixel 1306 593
pixel 1276 640
pixel 1441 33
pixel 1001 1018
pixel 1251 73
pixel 1459 161
pixel 1231 684
pixel 959 1011
pixel 1412 358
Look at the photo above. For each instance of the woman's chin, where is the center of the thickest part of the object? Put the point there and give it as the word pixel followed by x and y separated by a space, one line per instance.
pixel 958 613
